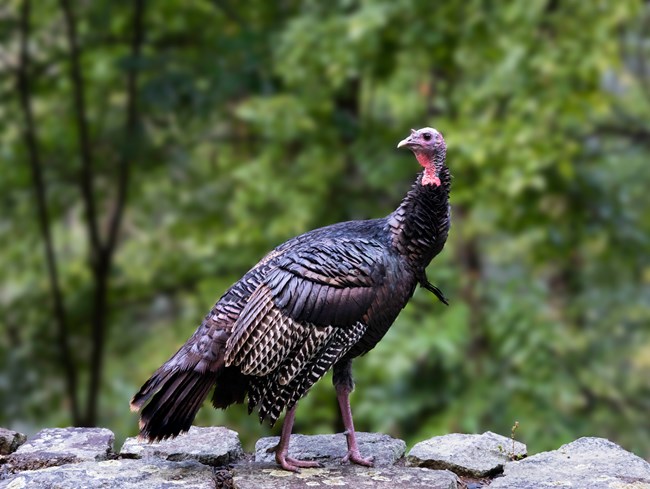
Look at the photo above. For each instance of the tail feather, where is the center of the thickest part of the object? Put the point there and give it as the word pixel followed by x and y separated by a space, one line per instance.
pixel 231 387
pixel 176 396
pixel 150 387
pixel 191 397
pixel 171 393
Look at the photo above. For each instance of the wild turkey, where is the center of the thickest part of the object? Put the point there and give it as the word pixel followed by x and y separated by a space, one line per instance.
pixel 313 303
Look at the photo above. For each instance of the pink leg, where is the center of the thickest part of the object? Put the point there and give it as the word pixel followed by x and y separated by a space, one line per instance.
pixel 354 456
pixel 282 450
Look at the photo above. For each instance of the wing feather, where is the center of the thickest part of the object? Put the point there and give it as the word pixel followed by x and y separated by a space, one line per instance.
pixel 292 317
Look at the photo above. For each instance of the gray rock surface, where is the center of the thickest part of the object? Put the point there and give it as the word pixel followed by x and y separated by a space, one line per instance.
pixel 385 449
pixel 210 446
pixel 82 457
pixel 265 476
pixel 59 446
pixel 472 455
pixel 10 440
pixel 124 474
pixel 593 463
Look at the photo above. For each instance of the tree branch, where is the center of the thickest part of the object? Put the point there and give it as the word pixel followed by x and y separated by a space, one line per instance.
pixel 638 135
pixel 86 181
pixel 99 260
pixel 105 257
pixel 40 191
pixel 131 127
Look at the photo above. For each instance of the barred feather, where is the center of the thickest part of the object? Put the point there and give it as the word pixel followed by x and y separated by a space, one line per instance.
pixel 313 343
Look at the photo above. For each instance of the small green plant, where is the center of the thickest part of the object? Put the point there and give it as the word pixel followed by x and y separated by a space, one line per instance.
pixel 512 455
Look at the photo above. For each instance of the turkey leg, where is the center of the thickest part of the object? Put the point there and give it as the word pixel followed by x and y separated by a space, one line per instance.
pixel 353 455
pixel 282 450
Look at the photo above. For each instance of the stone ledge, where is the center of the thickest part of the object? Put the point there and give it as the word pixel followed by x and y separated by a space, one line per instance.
pixel 123 474
pixel 472 455
pixel 268 476
pixel 384 449
pixel 210 446
pixel 77 457
pixel 587 463
pixel 62 446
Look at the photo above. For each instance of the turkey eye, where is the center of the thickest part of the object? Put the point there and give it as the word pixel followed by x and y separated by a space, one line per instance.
pixel 427 136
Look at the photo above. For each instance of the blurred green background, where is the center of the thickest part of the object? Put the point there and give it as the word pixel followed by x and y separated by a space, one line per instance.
pixel 151 152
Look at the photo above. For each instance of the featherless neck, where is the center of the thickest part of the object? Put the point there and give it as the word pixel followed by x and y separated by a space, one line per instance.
pixel 419 226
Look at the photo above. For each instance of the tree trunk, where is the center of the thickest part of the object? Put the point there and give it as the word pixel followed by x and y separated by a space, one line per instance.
pixel 40 194
pixel 101 252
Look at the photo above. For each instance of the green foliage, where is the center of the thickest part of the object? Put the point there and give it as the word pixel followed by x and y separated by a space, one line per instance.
pixel 262 120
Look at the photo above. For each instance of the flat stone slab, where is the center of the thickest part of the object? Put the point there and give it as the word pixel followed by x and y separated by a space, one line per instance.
pixel 10 440
pixel 59 446
pixel 266 476
pixel 124 474
pixel 385 449
pixel 472 455
pixel 214 446
pixel 593 463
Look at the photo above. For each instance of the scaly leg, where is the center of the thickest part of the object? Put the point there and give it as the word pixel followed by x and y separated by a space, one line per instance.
pixel 282 450
pixel 353 455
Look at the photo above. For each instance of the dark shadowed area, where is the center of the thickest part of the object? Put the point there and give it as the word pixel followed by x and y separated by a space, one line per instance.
pixel 152 152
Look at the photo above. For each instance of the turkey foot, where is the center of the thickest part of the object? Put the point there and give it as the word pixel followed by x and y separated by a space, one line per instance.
pixel 282 448
pixel 292 464
pixel 353 456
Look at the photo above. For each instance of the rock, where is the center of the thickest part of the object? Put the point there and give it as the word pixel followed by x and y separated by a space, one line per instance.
pixel 593 463
pixel 10 441
pixel 471 455
pixel 266 476
pixel 125 474
pixel 82 457
pixel 210 446
pixel 385 449
pixel 59 446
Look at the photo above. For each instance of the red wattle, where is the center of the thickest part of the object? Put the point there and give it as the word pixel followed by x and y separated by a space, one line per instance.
pixel 430 175
pixel 430 178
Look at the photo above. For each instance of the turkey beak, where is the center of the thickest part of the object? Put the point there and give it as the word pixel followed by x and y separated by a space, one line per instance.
pixel 405 142
pixel 409 142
